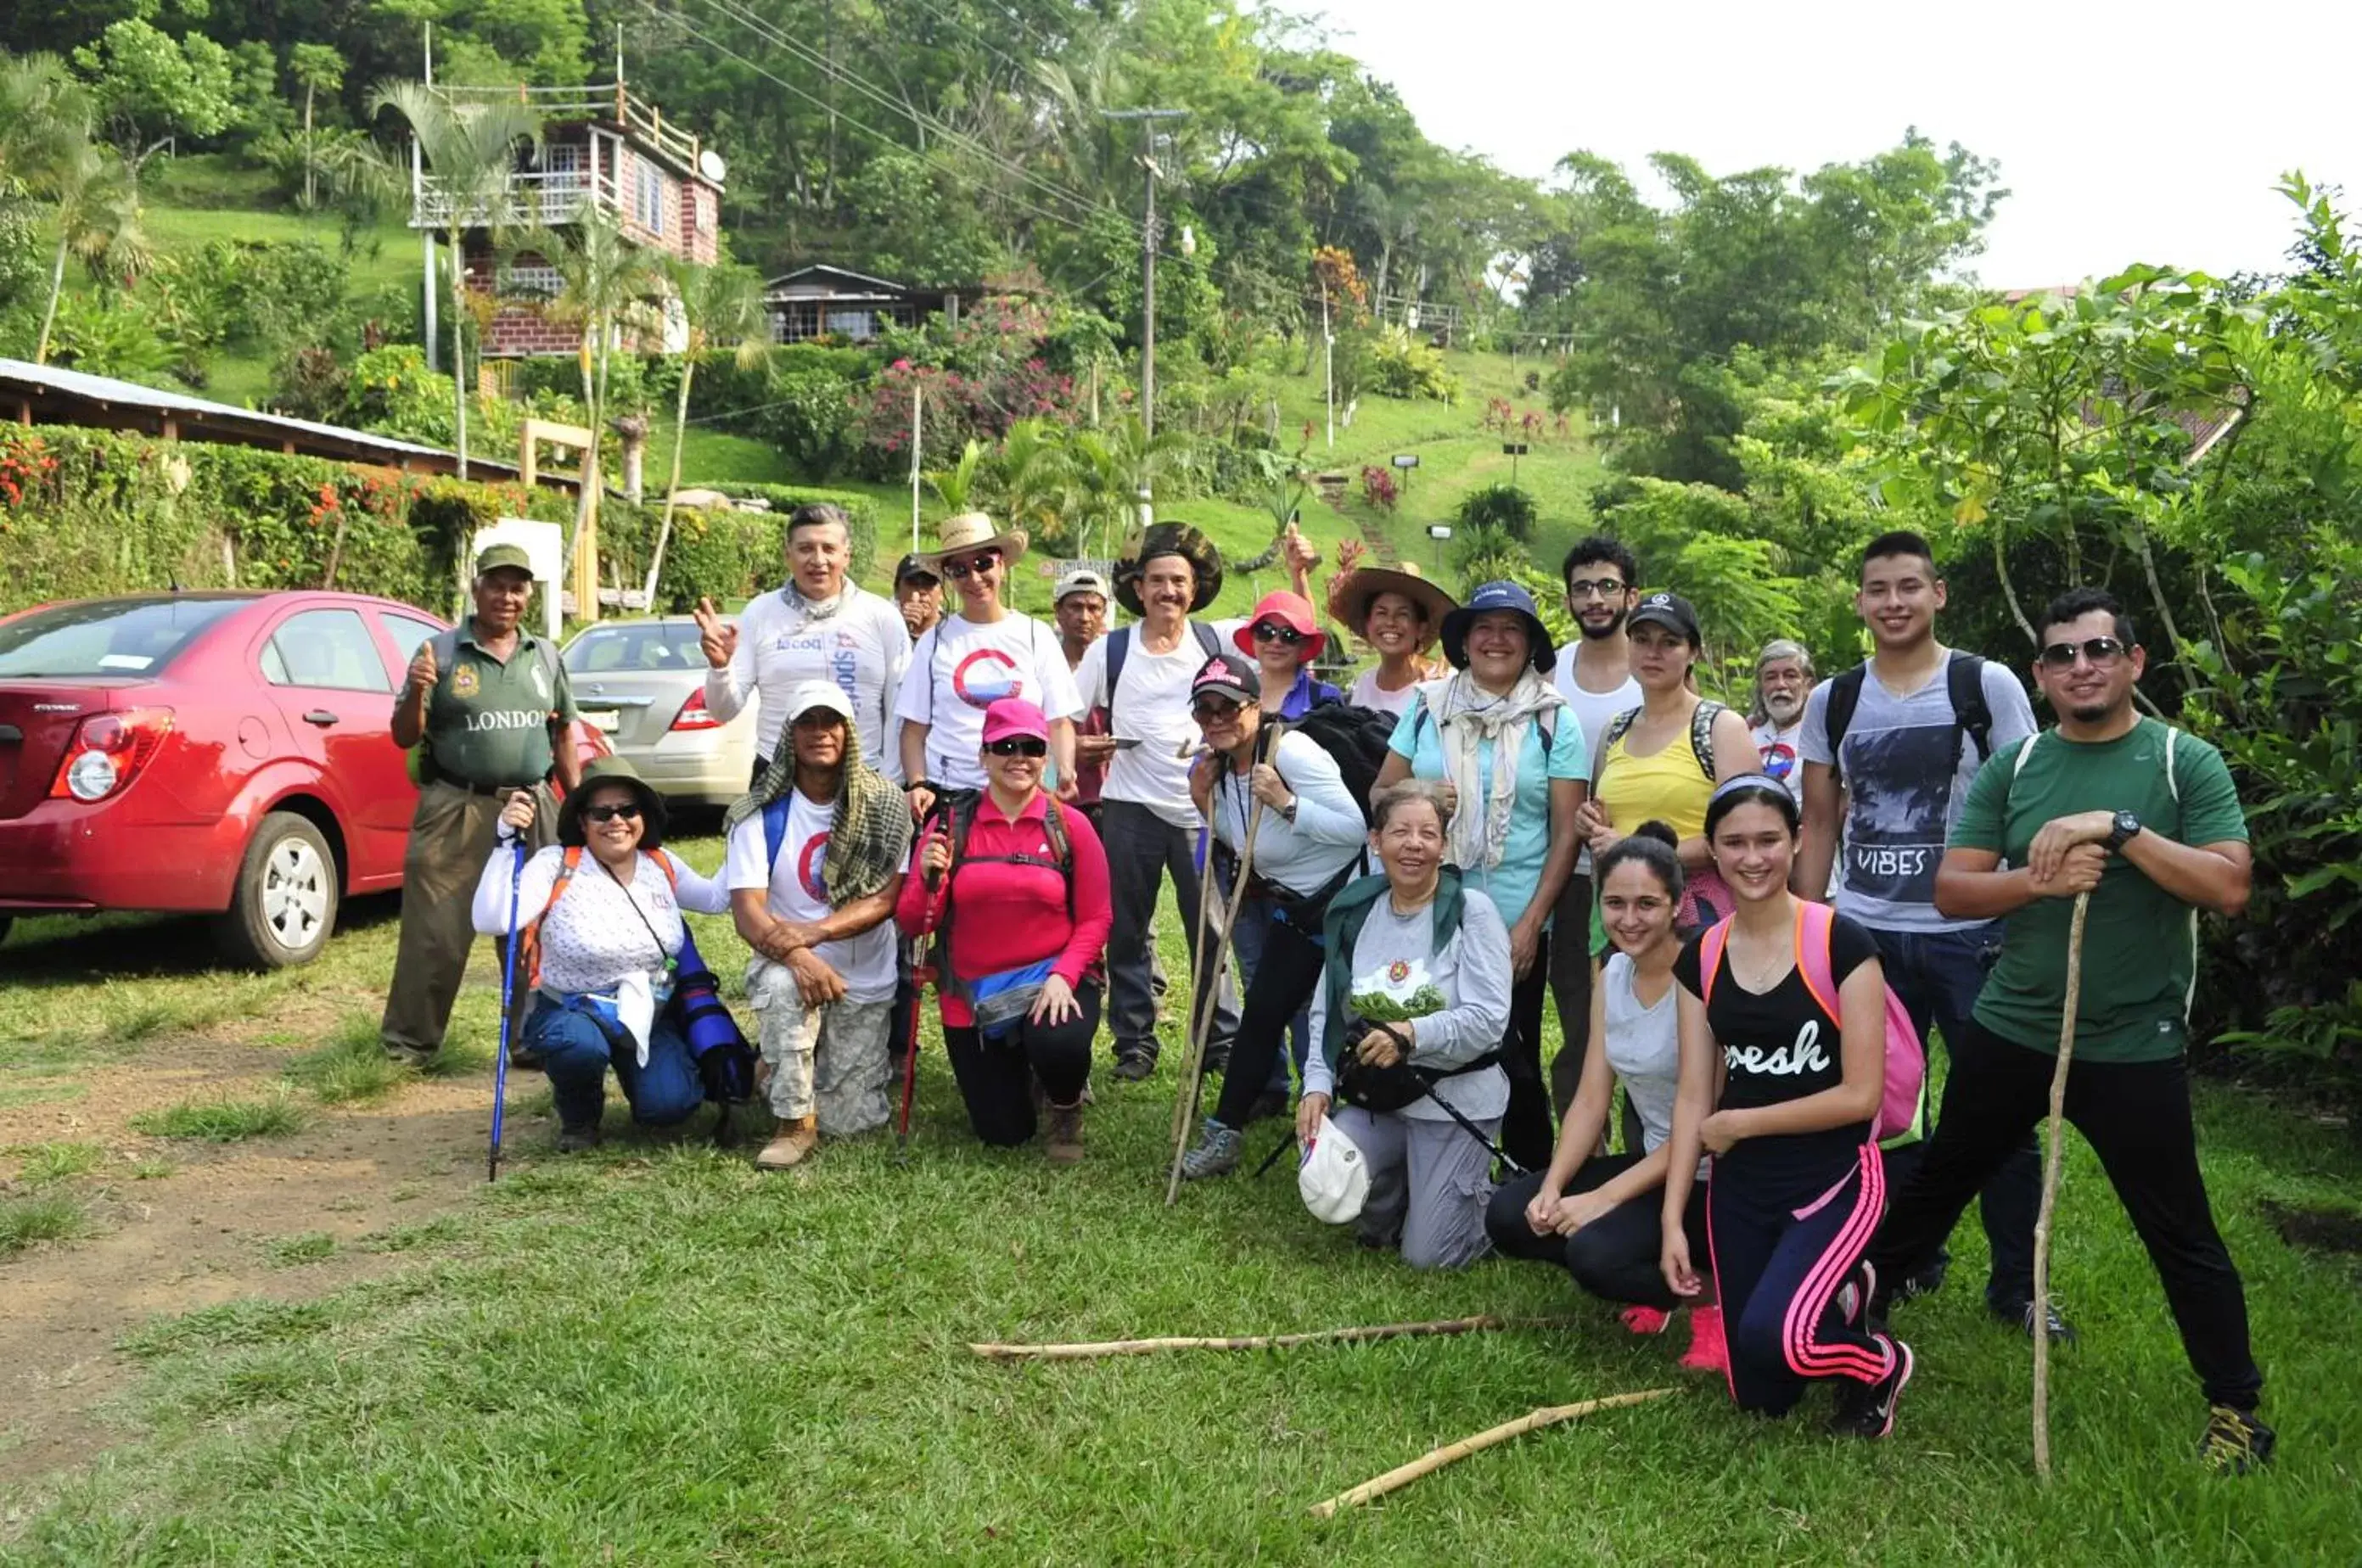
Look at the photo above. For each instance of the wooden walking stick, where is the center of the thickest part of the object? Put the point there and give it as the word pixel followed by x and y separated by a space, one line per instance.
pixel 1095 1350
pixel 2041 1323
pixel 1435 1459
pixel 1185 1108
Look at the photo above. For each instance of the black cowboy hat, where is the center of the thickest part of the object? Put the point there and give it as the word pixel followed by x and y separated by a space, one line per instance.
pixel 611 771
pixel 1169 539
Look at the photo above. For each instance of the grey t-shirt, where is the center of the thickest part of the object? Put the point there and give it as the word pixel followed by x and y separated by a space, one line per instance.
pixel 1900 799
pixel 1472 972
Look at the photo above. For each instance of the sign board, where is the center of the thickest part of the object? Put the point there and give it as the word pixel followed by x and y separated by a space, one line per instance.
pixel 1054 570
pixel 1438 531
pixel 545 546
pixel 1513 449
pixel 1406 459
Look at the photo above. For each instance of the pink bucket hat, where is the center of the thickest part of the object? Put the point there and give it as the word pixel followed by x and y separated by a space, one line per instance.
pixel 1290 610
pixel 1014 716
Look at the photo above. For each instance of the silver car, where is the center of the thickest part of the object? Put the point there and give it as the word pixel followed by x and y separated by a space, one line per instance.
pixel 643 682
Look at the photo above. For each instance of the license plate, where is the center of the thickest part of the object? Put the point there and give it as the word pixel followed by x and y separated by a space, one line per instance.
pixel 606 719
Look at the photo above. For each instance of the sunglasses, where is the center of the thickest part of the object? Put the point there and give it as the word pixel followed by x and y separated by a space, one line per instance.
pixel 1586 588
pixel 1273 631
pixel 2103 651
pixel 1019 746
pixel 961 570
pixel 629 811
pixel 1213 711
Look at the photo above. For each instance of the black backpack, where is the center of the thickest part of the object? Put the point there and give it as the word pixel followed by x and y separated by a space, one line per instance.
pixel 1356 740
pixel 1964 683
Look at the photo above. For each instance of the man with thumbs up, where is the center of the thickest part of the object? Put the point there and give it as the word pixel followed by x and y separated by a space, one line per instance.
pixel 817 627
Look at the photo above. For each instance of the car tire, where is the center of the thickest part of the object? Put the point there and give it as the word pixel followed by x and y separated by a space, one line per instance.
pixel 285 906
pixel 6 922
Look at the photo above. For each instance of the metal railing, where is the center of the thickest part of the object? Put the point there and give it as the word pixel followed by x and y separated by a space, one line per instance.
pixel 535 197
pixel 610 101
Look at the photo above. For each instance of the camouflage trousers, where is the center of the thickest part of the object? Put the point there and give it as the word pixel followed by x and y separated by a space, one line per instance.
pixel 828 1062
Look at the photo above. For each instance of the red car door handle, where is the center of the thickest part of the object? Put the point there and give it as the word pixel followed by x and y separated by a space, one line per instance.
pixel 321 716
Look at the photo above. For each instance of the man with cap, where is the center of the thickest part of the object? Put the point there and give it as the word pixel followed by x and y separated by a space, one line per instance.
pixel 820 626
pixel 814 865
pixel 971 659
pixel 485 708
pixel 1140 675
pixel 1079 603
pixel 917 594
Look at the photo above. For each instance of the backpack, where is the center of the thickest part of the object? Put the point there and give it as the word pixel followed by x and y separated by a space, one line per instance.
pixel 959 815
pixel 1356 740
pixel 1899 1106
pixel 417 760
pixel 1119 643
pixel 1701 719
pixel 1964 683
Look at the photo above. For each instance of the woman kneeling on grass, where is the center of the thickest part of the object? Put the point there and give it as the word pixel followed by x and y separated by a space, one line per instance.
pixel 600 912
pixel 1600 1215
pixel 1784 1099
pixel 1019 974
pixel 1406 1026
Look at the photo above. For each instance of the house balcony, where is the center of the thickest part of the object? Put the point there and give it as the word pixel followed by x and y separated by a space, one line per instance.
pixel 544 198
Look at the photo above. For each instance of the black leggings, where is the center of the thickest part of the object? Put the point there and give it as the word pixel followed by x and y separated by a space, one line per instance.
pixel 1283 982
pixel 1616 1256
pixel 1526 1135
pixel 995 1077
pixel 2136 1116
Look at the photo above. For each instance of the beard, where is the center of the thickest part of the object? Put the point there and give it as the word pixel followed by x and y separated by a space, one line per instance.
pixel 2096 712
pixel 1783 711
pixel 1600 633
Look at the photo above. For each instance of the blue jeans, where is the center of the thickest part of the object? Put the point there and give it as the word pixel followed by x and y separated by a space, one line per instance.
pixel 1937 975
pixel 577 1052
pixel 1246 941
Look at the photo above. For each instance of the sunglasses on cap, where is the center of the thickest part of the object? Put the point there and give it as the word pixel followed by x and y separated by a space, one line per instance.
pixel 1019 746
pixel 1275 631
pixel 629 811
pixel 2101 652
pixel 974 566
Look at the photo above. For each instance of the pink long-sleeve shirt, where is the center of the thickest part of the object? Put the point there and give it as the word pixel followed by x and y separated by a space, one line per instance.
pixel 1012 916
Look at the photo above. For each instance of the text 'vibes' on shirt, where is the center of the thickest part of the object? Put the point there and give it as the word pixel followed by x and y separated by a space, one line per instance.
pixel 798 890
pixel 1902 790
pixel 960 668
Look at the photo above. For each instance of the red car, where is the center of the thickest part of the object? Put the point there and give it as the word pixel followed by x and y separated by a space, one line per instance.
pixel 224 753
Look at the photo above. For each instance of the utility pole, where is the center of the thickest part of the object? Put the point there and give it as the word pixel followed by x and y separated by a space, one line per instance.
pixel 1148 237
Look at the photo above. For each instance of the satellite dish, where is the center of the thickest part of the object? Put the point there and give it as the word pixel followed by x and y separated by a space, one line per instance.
pixel 709 164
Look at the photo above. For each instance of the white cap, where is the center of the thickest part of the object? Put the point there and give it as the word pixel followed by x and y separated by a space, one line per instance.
pixel 1084 581
pixel 1334 1179
pixel 819 693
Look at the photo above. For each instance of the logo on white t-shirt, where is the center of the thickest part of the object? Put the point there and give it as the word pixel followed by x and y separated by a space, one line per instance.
pixel 811 866
pixel 1779 759
pixel 985 677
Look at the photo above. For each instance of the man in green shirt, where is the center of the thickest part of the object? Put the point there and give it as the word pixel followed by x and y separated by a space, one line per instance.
pixel 487 705
pixel 2143 818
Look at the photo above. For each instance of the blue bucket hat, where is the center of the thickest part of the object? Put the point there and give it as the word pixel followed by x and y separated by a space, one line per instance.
pixel 1495 596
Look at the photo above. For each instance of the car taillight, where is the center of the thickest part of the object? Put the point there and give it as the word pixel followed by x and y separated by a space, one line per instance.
pixel 107 751
pixel 694 714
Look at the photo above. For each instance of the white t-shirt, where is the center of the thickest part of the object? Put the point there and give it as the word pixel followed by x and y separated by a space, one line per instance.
pixel 1777 748
pixel 797 892
pixel 961 668
pixel 1597 709
pixel 862 649
pixel 1365 692
pixel 1154 708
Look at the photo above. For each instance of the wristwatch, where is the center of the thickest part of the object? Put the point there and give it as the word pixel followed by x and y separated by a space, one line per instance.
pixel 1288 811
pixel 2128 825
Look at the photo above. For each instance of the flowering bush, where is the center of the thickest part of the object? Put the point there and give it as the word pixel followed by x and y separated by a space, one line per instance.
pixel 973 380
pixel 1379 489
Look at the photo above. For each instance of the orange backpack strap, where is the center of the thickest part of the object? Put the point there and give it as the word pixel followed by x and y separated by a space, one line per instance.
pixel 1711 944
pixel 530 936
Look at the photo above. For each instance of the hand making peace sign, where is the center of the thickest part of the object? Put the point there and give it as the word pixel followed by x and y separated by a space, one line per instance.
pixel 717 638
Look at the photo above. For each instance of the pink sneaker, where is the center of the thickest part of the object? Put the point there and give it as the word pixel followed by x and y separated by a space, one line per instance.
pixel 1644 1319
pixel 1707 1353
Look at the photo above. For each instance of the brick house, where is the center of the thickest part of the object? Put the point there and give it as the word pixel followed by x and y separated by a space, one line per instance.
pixel 600 149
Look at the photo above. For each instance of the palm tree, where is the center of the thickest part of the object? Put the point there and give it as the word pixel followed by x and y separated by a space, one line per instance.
pixel 1036 475
pixel 95 204
pixel 724 309
pixel 43 111
pixel 1112 468
pixel 471 150
pixel 957 486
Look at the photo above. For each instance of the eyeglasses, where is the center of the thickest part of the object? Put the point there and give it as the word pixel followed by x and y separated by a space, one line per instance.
pixel 1273 631
pixel 2103 651
pixel 629 811
pixel 1587 589
pixel 1213 711
pixel 1019 746
pixel 960 571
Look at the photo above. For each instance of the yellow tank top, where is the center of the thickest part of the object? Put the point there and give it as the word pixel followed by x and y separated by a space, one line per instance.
pixel 1668 786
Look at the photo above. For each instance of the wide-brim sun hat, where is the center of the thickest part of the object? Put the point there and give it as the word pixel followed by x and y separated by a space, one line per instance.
pixel 966 534
pixel 1350 594
pixel 1542 652
pixel 1334 1179
pixel 611 771
pixel 1169 539
pixel 1291 610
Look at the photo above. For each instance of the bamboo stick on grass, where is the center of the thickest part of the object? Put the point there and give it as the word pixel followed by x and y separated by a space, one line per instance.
pixel 1090 1351
pixel 1428 1463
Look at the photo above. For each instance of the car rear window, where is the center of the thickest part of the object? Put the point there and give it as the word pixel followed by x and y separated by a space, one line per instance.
pixel 656 646
pixel 105 637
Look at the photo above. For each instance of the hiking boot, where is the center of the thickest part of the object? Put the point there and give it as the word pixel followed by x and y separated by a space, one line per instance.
pixel 2235 1442
pixel 1867 1410
pixel 1709 1351
pixel 2019 1314
pixel 1134 1065
pixel 1270 1102
pixel 1061 1136
pixel 1216 1153
pixel 790 1146
pixel 577 1138
pixel 417 1056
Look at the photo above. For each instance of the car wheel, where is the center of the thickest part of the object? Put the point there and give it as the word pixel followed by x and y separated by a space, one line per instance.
pixel 6 922
pixel 285 902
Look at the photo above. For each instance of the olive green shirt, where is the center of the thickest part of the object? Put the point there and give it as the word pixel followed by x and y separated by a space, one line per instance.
pixel 2140 943
pixel 488 722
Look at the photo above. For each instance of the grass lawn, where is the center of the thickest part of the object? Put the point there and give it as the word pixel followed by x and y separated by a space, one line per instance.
pixel 655 1353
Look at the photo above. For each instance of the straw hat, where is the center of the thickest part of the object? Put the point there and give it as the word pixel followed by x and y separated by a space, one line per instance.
pixel 1350 594
pixel 967 532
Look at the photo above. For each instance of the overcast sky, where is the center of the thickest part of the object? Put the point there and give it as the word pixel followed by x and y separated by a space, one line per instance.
pixel 2125 133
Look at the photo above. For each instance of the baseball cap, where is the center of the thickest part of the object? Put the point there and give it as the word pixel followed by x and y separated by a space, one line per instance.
pixel 812 695
pixel 1227 675
pixel 1079 582
pixel 1334 1179
pixel 910 566
pixel 497 557
pixel 1669 611
pixel 1014 716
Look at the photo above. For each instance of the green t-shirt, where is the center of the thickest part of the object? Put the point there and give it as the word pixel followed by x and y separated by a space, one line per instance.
pixel 488 722
pixel 2140 943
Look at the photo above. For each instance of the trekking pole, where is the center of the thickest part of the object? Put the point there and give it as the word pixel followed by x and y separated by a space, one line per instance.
pixel 2051 1190
pixel 508 984
pixel 920 975
pixel 1185 1108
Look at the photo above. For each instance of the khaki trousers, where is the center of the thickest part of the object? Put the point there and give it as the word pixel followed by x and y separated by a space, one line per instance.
pixel 451 837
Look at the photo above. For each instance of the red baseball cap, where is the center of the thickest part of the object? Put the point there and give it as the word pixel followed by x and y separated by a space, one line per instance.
pixel 1291 611
pixel 1014 716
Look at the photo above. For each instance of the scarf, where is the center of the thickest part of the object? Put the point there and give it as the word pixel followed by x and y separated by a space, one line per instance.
pixel 869 830
pixel 817 609
pixel 1465 716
